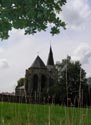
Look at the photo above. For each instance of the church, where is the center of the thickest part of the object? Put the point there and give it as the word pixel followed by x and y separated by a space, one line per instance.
pixel 38 77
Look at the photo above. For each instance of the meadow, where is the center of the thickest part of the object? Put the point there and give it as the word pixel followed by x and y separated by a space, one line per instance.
pixel 34 114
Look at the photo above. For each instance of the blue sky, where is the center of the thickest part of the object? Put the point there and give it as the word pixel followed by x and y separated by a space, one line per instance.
pixel 19 51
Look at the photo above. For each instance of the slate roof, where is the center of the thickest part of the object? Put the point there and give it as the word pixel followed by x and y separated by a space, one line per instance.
pixel 50 58
pixel 38 63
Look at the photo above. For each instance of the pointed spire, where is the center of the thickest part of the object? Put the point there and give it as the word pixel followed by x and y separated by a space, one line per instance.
pixel 50 58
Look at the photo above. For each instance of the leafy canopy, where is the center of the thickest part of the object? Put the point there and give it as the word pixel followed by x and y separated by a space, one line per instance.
pixel 71 72
pixel 30 15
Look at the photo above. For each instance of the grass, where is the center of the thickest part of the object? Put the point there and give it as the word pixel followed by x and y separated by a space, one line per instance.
pixel 33 114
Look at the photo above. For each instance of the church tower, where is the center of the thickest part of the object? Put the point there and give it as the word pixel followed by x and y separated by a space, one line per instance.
pixel 50 67
pixel 50 61
pixel 36 77
pixel 39 77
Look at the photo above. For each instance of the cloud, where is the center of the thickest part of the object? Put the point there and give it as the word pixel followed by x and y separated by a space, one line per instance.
pixel 82 53
pixel 3 63
pixel 76 12
pixel 1 50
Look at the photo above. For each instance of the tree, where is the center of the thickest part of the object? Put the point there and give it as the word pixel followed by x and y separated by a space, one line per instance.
pixel 89 81
pixel 20 82
pixel 89 89
pixel 71 79
pixel 30 15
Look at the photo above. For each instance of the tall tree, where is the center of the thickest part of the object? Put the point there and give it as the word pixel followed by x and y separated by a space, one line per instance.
pixel 71 79
pixel 89 81
pixel 30 15
pixel 89 89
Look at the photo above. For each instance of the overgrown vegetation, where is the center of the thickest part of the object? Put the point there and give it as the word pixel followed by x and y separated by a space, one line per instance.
pixel 33 114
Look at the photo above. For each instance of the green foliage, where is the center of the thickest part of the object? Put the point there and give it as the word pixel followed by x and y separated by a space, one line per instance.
pixel 20 82
pixel 69 74
pixel 30 15
pixel 89 81
pixel 33 114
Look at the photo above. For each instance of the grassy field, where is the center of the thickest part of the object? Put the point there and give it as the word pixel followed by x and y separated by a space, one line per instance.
pixel 31 114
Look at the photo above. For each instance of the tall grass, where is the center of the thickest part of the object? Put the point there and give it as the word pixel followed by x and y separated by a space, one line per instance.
pixel 34 114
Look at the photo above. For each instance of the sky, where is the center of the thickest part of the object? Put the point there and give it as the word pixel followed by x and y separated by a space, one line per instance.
pixel 19 51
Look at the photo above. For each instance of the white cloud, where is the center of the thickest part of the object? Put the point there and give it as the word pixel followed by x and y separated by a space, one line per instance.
pixel 82 53
pixel 1 50
pixel 76 12
pixel 3 63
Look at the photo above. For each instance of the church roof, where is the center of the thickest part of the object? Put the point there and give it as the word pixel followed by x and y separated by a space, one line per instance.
pixel 50 58
pixel 38 63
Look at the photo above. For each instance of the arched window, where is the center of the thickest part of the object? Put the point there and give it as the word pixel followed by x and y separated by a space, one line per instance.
pixel 35 83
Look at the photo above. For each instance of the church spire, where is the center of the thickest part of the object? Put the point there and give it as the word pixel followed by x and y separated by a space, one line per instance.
pixel 50 61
